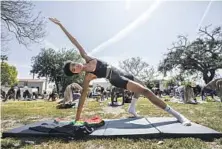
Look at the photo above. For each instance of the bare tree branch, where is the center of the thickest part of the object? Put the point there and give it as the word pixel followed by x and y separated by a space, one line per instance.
pixel 17 19
pixel 138 68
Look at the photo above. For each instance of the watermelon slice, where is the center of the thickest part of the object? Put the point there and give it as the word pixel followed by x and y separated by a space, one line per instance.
pixel 95 121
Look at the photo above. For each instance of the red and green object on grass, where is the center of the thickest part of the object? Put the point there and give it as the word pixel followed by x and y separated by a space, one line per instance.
pixel 93 122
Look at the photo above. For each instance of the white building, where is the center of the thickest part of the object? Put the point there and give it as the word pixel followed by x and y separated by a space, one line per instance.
pixel 41 84
pixel 100 82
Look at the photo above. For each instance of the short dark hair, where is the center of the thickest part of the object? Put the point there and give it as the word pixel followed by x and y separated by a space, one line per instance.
pixel 66 68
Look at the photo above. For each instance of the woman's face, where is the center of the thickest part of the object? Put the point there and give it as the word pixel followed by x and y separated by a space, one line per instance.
pixel 76 67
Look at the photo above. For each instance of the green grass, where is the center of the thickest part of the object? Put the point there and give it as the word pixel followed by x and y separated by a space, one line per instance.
pixel 207 114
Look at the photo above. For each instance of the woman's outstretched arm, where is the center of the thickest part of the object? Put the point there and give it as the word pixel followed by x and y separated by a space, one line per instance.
pixel 72 39
pixel 88 78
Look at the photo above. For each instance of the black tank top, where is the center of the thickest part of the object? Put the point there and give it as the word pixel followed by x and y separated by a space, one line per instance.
pixel 100 70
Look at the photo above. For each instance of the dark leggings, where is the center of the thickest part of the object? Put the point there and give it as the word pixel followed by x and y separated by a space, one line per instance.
pixel 119 79
pixel 207 91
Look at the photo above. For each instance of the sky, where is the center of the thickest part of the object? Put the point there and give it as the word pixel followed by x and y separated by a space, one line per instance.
pixel 116 30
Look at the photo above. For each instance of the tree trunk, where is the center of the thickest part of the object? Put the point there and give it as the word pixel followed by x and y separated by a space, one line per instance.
pixel 219 89
pixel 57 86
pixel 207 78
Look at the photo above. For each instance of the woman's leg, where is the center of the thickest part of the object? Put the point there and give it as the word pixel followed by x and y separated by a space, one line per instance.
pixel 132 106
pixel 140 89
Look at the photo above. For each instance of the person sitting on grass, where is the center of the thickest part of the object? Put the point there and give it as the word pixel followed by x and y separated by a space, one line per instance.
pixel 96 68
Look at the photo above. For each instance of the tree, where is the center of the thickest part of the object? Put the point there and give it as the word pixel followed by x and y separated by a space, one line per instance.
pixel 49 63
pixel 4 58
pixel 153 84
pixel 8 74
pixel 170 83
pixel 175 80
pixel 17 19
pixel 203 55
pixel 138 68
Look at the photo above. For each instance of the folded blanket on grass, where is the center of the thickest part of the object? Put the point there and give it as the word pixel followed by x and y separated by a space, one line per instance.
pixel 71 128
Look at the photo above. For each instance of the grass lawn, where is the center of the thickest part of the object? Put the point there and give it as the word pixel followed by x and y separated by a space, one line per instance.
pixel 15 113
